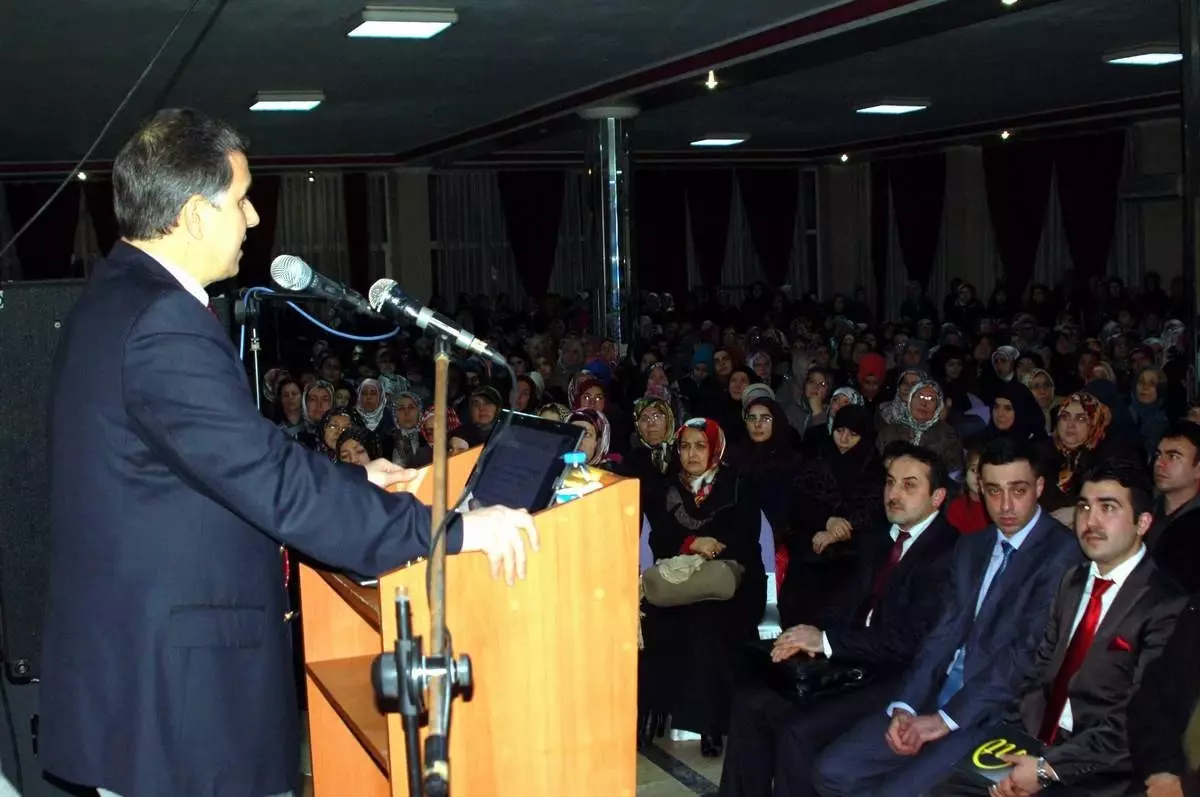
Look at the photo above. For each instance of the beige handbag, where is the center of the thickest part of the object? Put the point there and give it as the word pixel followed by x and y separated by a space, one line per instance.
pixel 690 578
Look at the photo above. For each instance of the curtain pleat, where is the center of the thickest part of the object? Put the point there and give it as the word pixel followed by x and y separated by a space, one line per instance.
pixel 1088 171
pixel 881 225
pixel 99 195
pixel 1017 177
pixel 532 202
pixel 771 200
pixel 259 248
pixel 358 230
pixel 918 192
pixel 46 248
pixel 660 230
pixel 311 223
pixel 472 249
pixel 709 199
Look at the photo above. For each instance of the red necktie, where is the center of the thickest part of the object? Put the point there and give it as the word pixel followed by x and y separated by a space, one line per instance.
pixel 1076 652
pixel 881 576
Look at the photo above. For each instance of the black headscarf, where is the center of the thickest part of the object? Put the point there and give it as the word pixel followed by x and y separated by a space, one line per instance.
pixel 1030 423
pixel 851 465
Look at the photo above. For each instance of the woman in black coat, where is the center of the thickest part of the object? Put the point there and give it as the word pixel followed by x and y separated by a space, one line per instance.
pixel 687 665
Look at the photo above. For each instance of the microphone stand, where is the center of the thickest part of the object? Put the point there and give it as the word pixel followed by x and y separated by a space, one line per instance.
pixel 246 312
pixel 407 672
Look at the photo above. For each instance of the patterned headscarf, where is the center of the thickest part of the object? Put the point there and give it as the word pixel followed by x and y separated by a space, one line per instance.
pixel 1099 417
pixel 373 418
pixel 452 423
pixel 579 384
pixel 919 428
pixel 700 486
pixel 603 433
pixel 562 410
pixel 895 410
pixel 319 384
pixel 660 454
pixel 407 394
pixel 326 419
pixel 1012 354
pixel 856 400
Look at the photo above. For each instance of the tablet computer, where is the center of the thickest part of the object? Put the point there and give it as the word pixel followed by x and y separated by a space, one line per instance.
pixel 524 467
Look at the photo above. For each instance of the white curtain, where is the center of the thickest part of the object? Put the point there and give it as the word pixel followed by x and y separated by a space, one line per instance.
pixel 473 254
pixel 576 268
pixel 10 267
pixel 968 248
pixel 379 208
pixel 312 223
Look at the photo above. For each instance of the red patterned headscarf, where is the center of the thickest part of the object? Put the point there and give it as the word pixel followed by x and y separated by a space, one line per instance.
pixel 1099 416
pixel 700 486
pixel 452 423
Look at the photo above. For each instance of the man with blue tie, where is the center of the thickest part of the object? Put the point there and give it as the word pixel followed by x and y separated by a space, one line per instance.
pixel 968 670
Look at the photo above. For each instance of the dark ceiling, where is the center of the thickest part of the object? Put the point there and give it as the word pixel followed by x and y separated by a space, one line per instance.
pixel 67 63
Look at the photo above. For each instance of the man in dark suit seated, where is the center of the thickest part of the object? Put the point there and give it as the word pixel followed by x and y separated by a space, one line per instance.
pixel 1174 538
pixel 969 668
pixel 879 621
pixel 1164 708
pixel 1111 618
pixel 168 644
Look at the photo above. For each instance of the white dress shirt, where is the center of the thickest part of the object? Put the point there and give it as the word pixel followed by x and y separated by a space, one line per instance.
pixel 913 533
pixel 189 283
pixel 1117 576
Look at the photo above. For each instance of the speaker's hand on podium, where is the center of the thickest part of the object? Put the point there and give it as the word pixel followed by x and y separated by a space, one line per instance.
pixel 384 473
pixel 497 531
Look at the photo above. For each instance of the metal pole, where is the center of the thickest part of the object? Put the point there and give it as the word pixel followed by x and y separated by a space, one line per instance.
pixel 1189 37
pixel 608 162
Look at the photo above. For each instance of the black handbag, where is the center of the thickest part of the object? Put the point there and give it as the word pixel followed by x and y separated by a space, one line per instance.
pixel 802 680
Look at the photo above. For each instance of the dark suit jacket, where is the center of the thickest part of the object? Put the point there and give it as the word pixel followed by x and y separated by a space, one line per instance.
pixel 909 606
pixel 1000 642
pixel 1143 615
pixel 167 659
pixel 1165 699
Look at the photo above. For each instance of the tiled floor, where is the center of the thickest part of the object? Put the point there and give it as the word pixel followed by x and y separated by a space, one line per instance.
pixel 672 769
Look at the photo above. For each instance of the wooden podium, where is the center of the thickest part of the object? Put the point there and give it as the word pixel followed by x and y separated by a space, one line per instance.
pixel 554 659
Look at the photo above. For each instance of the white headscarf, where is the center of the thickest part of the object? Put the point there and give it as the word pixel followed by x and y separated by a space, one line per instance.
pixel 371 419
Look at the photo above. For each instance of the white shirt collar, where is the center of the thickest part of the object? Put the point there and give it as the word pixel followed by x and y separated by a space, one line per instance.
pixel 189 283
pixel 916 530
pixel 1018 539
pixel 1119 573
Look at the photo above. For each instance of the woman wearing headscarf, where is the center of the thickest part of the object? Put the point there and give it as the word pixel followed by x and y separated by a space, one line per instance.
pixel 1041 385
pixel 589 392
pixel 376 417
pixel 893 411
pixel 483 407
pixel 529 392
pixel 454 441
pixel 807 412
pixel 554 412
pixel 842 397
pixel 872 371
pixel 1080 440
pixel 700 391
pixel 331 427
pixel 406 407
pixel 597 437
pixel 318 400
pixel 922 425
pixel 353 447
pixel 834 495
pixel 1015 413
pixel 687 666
pixel 653 455
pixel 1147 406
pixel 761 364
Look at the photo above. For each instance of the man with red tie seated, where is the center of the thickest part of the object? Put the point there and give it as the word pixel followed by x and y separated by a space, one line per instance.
pixel 877 623
pixel 167 647
pixel 1111 618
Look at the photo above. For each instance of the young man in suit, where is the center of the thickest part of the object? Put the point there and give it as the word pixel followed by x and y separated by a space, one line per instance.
pixel 167 644
pixel 1111 618
pixel 1174 537
pixel 879 621
pixel 969 667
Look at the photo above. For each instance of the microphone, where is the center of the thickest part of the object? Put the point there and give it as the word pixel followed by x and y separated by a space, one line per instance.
pixel 291 273
pixel 387 299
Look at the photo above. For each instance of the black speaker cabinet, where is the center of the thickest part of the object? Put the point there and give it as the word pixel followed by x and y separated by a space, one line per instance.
pixel 31 319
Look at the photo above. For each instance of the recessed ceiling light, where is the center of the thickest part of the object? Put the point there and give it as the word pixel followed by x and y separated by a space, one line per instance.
pixel 81 175
pixel 1005 135
pixel 895 107
pixel 722 140
pixel 711 83
pixel 845 157
pixel 380 22
pixel 1149 55
pixel 287 100
pixel 1009 2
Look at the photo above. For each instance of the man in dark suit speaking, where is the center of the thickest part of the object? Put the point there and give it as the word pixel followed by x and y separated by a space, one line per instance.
pixel 167 659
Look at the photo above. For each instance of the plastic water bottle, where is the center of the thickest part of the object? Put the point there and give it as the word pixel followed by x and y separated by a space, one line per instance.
pixel 576 480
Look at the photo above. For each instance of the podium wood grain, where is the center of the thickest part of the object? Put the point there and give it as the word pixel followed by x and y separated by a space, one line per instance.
pixel 555 660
